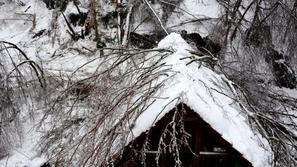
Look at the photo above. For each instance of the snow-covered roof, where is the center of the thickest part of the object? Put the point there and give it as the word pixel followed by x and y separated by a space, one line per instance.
pixel 209 95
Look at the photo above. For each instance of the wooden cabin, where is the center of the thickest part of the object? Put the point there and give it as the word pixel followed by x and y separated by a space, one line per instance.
pixel 206 147
pixel 198 107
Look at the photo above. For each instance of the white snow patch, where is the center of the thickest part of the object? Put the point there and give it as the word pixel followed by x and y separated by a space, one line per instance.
pixel 189 11
pixel 27 154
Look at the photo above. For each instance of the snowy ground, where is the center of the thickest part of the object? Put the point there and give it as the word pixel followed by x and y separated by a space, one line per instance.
pixel 25 155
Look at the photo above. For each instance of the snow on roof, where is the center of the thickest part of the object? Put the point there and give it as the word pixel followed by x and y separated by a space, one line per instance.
pixel 206 93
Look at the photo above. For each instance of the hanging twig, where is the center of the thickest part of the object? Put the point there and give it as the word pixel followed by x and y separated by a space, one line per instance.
pixel 78 10
pixel 34 66
pixel 169 3
pixel 72 32
pixel 158 18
